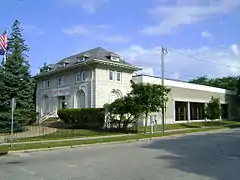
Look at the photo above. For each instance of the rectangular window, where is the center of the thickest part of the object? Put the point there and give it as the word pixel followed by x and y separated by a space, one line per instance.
pixel 81 59
pixel 60 81
pixel 114 58
pixel 48 83
pixel 119 76
pixel 83 75
pixel 78 77
pixel 110 75
pixel 197 111
pixel 45 83
pixel 181 111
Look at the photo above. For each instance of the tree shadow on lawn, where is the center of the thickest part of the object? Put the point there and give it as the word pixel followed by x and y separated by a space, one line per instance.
pixel 189 125
pixel 74 130
pixel 214 155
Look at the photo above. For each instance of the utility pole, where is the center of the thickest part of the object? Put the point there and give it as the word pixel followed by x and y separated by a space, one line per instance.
pixel 163 53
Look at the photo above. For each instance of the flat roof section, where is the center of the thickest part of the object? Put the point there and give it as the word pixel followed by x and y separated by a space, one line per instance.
pixel 181 84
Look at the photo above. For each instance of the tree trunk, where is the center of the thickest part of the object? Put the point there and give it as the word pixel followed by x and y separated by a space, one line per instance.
pixel 146 120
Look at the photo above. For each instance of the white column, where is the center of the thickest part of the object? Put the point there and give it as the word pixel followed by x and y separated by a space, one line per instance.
pixel 189 111
pixel 174 111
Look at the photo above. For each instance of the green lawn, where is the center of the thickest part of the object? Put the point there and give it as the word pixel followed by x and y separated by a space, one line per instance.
pixel 192 125
pixel 68 134
pixel 93 141
pixel 79 133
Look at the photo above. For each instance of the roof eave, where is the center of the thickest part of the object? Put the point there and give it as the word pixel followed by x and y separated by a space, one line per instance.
pixel 82 63
pixel 118 64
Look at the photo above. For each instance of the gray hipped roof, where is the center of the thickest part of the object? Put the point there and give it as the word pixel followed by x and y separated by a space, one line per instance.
pixel 96 53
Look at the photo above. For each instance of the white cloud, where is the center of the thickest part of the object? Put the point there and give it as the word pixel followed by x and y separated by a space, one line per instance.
pixel 186 12
pixel 235 48
pixel 223 61
pixel 94 32
pixel 77 30
pixel 31 28
pixel 89 6
pixel 206 34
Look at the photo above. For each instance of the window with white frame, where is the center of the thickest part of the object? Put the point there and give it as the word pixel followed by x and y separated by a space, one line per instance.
pixel 60 81
pixel 83 75
pixel 78 77
pixel 45 83
pixel 119 76
pixel 81 59
pixel 110 75
pixel 114 58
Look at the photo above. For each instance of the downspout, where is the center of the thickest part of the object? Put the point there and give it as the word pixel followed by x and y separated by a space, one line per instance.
pixel 91 83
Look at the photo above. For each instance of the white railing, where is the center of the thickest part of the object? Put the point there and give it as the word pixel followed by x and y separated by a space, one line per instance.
pixel 46 116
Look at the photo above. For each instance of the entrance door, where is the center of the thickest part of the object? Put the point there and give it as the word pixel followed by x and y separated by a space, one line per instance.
pixel 61 102
pixel 224 109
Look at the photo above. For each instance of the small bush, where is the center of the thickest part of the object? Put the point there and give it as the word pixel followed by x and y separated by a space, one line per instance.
pixel 83 118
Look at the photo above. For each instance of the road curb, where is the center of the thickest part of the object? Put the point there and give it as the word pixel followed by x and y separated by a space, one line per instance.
pixel 114 142
pixel 73 146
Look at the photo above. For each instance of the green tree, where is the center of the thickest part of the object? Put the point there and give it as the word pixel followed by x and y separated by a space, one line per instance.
pixel 151 97
pixel 123 112
pixel 202 80
pixel 213 109
pixel 230 82
pixel 15 78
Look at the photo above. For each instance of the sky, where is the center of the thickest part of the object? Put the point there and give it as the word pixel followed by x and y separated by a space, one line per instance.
pixel 201 36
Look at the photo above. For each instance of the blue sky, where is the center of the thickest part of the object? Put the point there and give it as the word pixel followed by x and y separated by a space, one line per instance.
pixel 206 29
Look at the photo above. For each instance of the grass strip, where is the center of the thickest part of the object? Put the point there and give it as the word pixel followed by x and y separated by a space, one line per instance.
pixel 62 134
pixel 94 141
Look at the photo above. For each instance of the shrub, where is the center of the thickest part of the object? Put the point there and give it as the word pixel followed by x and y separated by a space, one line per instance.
pixel 83 118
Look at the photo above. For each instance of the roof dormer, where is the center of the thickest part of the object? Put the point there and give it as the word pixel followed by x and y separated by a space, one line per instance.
pixel 83 58
pixel 64 64
pixel 49 67
pixel 114 57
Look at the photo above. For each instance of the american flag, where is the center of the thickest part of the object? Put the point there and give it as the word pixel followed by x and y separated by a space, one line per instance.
pixel 3 43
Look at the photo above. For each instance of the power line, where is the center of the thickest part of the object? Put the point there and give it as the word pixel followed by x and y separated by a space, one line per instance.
pixel 202 60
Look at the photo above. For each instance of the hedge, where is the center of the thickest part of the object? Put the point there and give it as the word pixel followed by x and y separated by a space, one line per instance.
pixel 83 118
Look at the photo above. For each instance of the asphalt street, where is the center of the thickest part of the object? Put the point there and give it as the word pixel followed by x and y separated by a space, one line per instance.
pixel 211 156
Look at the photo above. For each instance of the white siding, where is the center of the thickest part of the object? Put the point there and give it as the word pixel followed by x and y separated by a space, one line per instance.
pixel 104 86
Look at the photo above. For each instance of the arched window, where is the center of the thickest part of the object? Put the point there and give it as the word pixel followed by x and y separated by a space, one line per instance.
pixel 80 99
pixel 115 94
